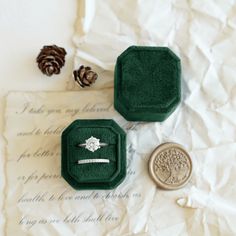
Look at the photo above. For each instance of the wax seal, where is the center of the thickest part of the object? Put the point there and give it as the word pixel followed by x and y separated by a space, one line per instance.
pixel 170 166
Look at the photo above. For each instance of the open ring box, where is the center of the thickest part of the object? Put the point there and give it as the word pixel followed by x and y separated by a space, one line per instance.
pixel 93 175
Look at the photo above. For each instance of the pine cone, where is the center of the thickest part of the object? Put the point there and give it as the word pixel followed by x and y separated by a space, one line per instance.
pixel 51 59
pixel 84 76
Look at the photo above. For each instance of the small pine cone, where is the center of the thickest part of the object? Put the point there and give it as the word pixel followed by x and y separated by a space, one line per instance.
pixel 51 59
pixel 84 76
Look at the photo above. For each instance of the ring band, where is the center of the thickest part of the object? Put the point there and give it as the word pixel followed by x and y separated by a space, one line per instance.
pixel 100 144
pixel 88 161
pixel 92 144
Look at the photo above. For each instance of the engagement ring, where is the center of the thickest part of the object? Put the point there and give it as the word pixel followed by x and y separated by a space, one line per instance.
pixel 92 144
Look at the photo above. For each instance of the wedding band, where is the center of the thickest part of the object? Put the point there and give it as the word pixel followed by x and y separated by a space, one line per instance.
pixel 92 144
pixel 88 161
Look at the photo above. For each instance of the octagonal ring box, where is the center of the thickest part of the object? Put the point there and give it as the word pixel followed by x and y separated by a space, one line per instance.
pixel 147 83
pixel 93 175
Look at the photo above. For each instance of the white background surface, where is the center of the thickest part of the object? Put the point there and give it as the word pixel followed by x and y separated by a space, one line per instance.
pixel 202 33
pixel 25 27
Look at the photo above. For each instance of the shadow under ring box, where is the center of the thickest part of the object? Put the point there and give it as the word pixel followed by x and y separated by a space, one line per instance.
pixel 147 83
pixel 93 175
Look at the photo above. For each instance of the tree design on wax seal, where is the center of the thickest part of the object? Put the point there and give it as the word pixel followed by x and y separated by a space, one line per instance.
pixel 170 166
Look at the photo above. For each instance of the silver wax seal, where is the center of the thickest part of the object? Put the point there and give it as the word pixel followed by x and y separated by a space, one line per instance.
pixel 170 166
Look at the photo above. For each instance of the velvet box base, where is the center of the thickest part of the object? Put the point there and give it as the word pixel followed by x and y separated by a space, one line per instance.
pixel 94 175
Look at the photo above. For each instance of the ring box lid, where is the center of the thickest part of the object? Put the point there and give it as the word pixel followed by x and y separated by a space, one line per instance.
pixel 147 83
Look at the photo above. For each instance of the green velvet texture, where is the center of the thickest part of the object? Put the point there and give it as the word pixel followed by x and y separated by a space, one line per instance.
pixel 94 175
pixel 147 83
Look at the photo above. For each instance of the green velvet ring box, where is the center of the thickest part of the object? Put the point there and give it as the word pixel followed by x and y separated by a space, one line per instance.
pixel 93 175
pixel 147 83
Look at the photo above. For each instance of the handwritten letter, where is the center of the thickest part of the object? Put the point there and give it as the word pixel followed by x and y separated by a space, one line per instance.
pixel 38 200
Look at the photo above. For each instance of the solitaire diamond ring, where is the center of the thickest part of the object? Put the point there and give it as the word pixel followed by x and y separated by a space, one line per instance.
pixel 92 144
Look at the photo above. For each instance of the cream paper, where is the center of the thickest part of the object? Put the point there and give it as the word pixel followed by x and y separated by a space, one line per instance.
pixel 203 34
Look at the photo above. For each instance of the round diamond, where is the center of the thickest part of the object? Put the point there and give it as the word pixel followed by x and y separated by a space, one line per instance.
pixel 92 144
